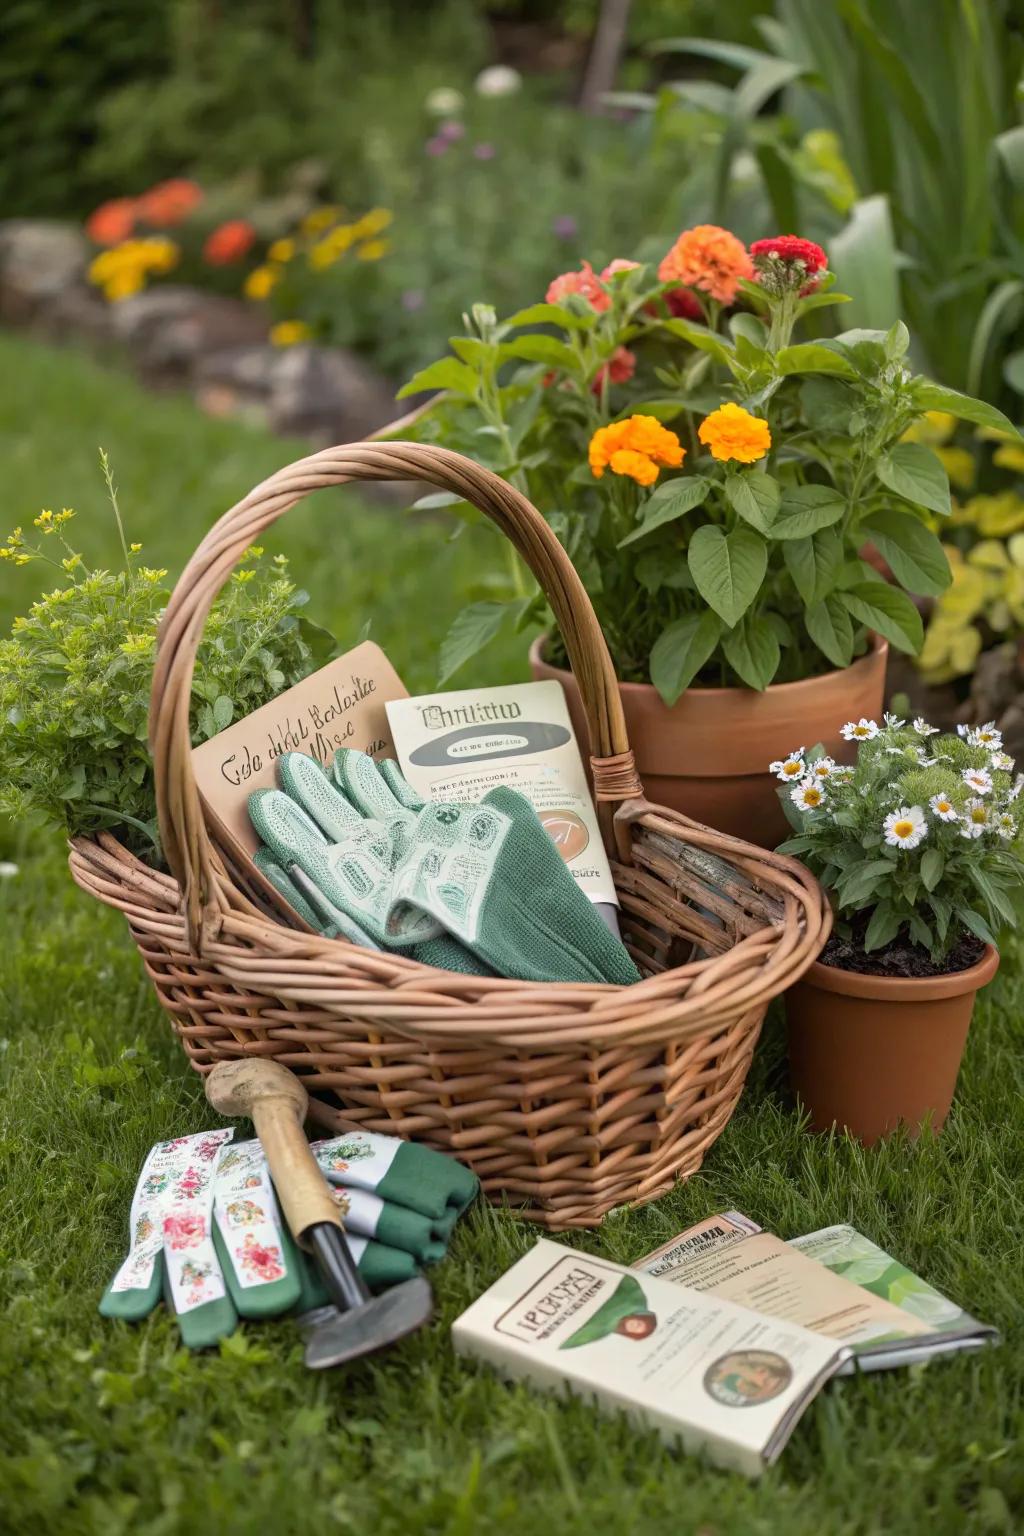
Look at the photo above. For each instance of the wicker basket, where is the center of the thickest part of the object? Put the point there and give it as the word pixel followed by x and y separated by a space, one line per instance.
pixel 567 1099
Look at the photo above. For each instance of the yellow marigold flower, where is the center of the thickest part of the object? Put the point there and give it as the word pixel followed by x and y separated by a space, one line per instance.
pixel 282 250
pixel 260 282
pixel 372 223
pixel 159 254
pixel 373 250
pixel 635 448
pixel 732 433
pixel 123 285
pixel 288 333
pixel 321 218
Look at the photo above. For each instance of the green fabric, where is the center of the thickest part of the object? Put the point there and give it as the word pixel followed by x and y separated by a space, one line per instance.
pixel 430 1182
pixel 626 1300
pixel 271 870
pixel 272 1297
pixel 135 1304
pixel 201 1327
pixel 414 1233
pixel 379 1265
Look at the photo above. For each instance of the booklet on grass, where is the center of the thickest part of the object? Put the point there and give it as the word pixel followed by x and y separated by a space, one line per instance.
pixel 835 1282
pixel 705 1373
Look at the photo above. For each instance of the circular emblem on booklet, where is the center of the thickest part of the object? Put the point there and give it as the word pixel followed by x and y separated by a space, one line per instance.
pixel 747 1377
pixel 567 831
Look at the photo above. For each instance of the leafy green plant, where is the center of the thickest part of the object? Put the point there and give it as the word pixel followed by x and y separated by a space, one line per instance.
pixel 75 677
pixel 917 836
pixel 741 564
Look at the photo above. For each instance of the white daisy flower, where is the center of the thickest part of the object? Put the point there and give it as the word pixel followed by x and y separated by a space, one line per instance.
pixel 1001 762
pixel 975 820
pixel 498 80
pixel 823 768
pixel 985 735
pixel 808 796
pixel 893 722
pixel 1006 826
pixel 7 870
pixel 943 807
pixel 962 730
pixel 922 727
pixel 841 771
pixel 791 767
pixel 978 779
pixel 859 730
pixel 444 101
pixel 906 827
pixel 1018 785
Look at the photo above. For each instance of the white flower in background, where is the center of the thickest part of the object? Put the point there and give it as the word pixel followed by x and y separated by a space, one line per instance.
pixel 808 796
pixel 841 772
pixel 922 727
pixel 7 870
pixel 896 751
pixel 1018 785
pixel 790 767
pixel 943 807
pixel 444 101
pixel 978 779
pixel 859 730
pixel 498 80
pixel 985 736
pixel 824 768
pixel 906 827
pixel 893 723
pixel 962 730
pixel 924 759
pixel 1001 762
pixel 1006 826
pixel 976 819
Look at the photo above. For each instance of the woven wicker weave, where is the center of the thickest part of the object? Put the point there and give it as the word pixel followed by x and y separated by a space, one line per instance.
pixel 566 1099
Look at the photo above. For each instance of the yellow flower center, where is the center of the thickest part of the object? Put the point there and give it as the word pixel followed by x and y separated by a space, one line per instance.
pixel 944 806
pixel 791 768
pixel 979 815
pixel 860 730
pixel 812 796
pixel 903 828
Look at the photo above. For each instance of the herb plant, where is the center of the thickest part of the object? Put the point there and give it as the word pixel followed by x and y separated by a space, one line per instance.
pixel 919 833
pixel 75 677
pixel 713 480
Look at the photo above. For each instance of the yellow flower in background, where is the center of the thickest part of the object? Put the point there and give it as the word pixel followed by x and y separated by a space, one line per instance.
pixel 1009 456
pixel 372 223
pixel 636 448
pixel 282 251
pixel 288 333
pixel 373 250
pixel 122 269
pixel 331 248
pixel 734 434
pixel 321 218
pixel 931 428
pixel 994 516
pixel 959 465
pixel 261 282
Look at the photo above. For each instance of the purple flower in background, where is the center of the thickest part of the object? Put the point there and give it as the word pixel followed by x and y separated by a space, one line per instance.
pixel 436 146
pixel 484 151
pixel 565 227
pixel 413 299
pixel 451 131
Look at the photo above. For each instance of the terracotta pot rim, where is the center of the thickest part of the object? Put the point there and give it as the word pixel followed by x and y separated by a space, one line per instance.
pixel 877 646
pixel 903 989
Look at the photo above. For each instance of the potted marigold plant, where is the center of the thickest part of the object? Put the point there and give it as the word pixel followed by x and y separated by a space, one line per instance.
pixel 714 482
pixel 914 845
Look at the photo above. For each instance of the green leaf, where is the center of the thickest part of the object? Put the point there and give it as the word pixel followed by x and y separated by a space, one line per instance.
pixel 436 499
pixel 913 552
pixel 700 337
pixel 473 628
pixel 916 473
pixel 543 349
pixel 889 611
pixel 884 925
pixel 728 569
pixel 936 397
pixel 829 626
pixel 754 497
pixel 669 501
pixel 446 373
pixel 812 563
pixel 680 651
pixel 805 509
pixel 933 866
pixel 864 255
pixel 827 404
pixel 752 650
pixel 812 357
pixel 549 314
pixel 654 570
pixel 976 924
pixel 223 712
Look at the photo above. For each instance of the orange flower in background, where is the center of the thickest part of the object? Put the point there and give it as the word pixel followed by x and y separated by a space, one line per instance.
pixel 169 202
pixel 619 369
pixel 708 258
pixel 111 222
pixel 732 433
pixel 586 283
pixel 637 448
pixel 229 242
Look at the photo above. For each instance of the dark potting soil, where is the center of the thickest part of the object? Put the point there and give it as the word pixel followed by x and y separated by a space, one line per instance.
pixel 898 958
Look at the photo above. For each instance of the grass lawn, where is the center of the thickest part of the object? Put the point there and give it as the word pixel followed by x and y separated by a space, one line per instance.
pixel 111 1429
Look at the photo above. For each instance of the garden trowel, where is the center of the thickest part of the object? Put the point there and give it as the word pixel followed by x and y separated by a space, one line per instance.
pixel 357 1323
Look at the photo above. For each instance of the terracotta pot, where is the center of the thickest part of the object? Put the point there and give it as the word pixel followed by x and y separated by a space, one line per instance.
pixel 708 755
pixel 869 1052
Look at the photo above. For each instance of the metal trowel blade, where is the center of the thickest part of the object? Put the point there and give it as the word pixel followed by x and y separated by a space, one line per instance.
pixel 334 1337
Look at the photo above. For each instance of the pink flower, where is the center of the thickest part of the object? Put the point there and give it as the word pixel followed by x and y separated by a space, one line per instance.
pixel 620 264
pixel 186 1230
pixel 584 282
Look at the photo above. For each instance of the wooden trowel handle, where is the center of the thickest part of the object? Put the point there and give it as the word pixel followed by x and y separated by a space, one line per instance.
pixel 275 1101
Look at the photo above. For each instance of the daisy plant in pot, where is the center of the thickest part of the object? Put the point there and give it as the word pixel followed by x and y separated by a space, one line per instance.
pixel 915 844
pixel 714 476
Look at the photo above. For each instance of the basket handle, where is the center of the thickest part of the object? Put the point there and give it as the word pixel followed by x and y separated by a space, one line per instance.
pixel 182 826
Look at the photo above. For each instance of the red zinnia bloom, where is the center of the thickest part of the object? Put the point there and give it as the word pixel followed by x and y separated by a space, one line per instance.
pixel 788 261
pixel 112 221
pixel 584 282
pixel 791 248
pixel 229 242
pixel 619 368
pixel 683 304
pixel 169 202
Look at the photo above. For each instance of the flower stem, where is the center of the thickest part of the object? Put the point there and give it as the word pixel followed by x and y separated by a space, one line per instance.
pixel 108 476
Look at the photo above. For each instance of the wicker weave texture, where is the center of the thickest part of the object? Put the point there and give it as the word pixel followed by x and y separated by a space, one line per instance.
pixel 567 1099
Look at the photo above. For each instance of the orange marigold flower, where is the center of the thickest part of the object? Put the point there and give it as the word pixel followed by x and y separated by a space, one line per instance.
pixel 637 448
pixel 169 202
pixel 619 368
pixel 708 258
pixel 732 433
pixel 229 242
pixel 111 222
pixel 586 283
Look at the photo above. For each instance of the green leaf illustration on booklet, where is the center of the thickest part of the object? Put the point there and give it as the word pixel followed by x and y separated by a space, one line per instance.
pixel 625 1312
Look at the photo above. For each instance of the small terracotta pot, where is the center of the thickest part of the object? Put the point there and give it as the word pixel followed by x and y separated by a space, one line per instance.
pixel 869 1052
pixel 708 755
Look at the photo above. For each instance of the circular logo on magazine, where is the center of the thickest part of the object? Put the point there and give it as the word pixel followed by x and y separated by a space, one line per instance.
pixel 567 831
pixel 747 1377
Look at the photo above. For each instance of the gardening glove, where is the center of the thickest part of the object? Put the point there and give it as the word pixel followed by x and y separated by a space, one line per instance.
pixel 491 875
pixel 343 860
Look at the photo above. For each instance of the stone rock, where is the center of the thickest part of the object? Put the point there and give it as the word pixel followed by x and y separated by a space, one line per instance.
pixel 39 259
pixel 171 328
pixel 328 393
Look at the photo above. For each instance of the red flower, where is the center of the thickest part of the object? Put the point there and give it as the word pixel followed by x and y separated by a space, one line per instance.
pixel 619 368
pixel 229 242
pixel 683 304
pixel 111 222
pixel 584 282
pixel 787 261
pixel 185 1230
pixel 169 202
